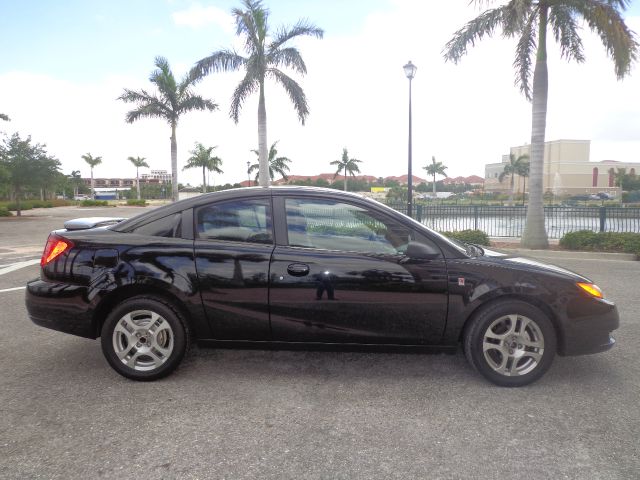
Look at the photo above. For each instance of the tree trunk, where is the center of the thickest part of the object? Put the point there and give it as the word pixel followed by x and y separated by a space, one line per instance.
pixel 535 235
pixel 204 180
pixel 174 163
pixel 345 178
pixel 138 184
pixel 263 171
pixel 524 189
pixel 511 192
pixel 93 190
pixel 435 193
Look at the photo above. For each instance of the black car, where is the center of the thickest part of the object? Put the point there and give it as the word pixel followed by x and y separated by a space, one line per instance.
pixel 285 267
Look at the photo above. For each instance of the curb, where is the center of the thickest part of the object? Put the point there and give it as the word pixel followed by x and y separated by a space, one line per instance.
pixel 570 254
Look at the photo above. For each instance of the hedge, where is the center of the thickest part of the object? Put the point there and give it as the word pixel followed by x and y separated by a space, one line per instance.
pixel 133 202
pixel 469 236
pixel 94 203
pixel 602 241
pixel 4 212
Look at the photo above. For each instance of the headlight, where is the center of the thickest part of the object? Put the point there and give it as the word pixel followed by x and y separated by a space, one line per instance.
pixel 592 289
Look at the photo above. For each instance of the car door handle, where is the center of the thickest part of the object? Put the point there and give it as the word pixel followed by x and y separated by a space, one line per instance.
pixel 298 269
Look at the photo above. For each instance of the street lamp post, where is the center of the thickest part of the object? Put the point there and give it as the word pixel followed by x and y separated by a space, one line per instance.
pixel 410 72
pixel 248 174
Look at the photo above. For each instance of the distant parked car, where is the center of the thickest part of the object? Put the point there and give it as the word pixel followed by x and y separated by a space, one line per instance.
pixel 81 197
pixel 291 266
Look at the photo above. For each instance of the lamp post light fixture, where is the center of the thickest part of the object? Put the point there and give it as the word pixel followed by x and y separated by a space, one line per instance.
pixel 410 72
pixel 248 174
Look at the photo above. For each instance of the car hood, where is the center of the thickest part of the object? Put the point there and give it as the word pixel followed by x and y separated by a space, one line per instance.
pixel 513 260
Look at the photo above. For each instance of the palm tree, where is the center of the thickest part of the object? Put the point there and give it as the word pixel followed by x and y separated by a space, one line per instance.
pixel 349 165
pixel 529 21
pixel 266 56
pixel 172 101
pixel 512 169
pixel 92 161
pixel 76 180
pixel 138 162
pixel 276 164
pixel 433 169
pixel 201 157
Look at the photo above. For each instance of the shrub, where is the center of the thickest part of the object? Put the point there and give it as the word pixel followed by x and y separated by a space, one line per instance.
pixel 469 236
pixel 23 206
pixel 133 202
pixel 94 203
pixel 631 197
pixel 40 204
pixel 4 212
pixel 602 241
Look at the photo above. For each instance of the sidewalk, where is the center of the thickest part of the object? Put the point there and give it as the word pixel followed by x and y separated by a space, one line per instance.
pixel 511 245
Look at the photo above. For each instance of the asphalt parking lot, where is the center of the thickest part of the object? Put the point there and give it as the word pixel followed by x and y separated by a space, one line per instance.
pixel 64 413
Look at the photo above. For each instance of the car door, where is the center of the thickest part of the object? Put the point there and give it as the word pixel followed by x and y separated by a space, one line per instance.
pixel 233 244
pixel 342 275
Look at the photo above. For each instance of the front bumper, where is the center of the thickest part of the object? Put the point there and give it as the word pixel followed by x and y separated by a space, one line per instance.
pixel 588 328
pixel 61 306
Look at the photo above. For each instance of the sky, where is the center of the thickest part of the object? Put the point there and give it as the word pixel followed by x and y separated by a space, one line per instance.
pixel 63 65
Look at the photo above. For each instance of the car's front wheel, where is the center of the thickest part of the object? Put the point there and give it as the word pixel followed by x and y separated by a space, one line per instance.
pixel 511 343
pixel 144 338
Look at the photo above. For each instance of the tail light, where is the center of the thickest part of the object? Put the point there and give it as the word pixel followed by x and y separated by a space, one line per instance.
pixel 55 246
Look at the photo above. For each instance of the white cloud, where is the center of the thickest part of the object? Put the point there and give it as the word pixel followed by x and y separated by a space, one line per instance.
pixel 197 16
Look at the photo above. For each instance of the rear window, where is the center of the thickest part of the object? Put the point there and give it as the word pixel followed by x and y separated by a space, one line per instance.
pixel 169 226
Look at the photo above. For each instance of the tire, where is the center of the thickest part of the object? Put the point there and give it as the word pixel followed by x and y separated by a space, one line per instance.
pixel 144 338
pixel 511 343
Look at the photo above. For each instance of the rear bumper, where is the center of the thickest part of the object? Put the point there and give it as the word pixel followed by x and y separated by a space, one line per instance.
pixel 61 306
pixel 590 331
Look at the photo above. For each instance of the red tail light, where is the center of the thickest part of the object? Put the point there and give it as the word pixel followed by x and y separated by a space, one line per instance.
pixel 55 246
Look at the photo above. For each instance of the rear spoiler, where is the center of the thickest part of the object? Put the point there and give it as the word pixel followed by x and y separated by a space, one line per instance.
pixel 92 222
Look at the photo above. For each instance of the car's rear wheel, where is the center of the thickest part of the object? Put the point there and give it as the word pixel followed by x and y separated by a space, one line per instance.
pixel 144 338
pixel 511 343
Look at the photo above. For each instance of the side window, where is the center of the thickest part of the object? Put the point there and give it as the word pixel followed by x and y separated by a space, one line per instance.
pixel 237 221
pixel 331 225
pixel 168 226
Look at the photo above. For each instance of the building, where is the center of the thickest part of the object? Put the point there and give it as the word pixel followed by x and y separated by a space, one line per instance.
pixel 567 170
pixel 155 177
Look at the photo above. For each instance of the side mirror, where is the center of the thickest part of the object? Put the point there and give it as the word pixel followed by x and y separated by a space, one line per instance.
pixel 422 251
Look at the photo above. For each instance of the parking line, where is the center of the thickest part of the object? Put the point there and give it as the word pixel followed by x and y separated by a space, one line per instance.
pixel 18 266
pixel 12 289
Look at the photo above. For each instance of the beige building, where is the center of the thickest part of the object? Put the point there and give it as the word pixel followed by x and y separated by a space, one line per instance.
pixel 567 170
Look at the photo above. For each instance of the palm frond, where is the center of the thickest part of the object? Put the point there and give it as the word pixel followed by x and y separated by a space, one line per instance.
pixel 149 106
pixel 301 28
pixel 138 162
pixel 288 57
pixel 478 28
pixel 252 24
pixel 245 88
pixel 195 102
pixel 220 61
pixel 525 50
pixel 604 17
pixel 565 31
pixel 295 92
pixel 4 117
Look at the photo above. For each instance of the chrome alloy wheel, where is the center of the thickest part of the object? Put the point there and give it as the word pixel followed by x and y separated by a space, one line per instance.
pixel 513 345
pixel 143 340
